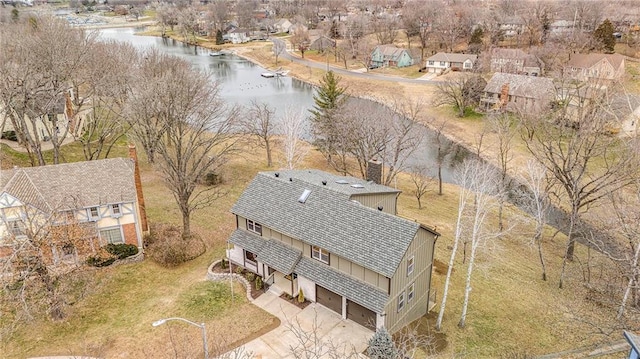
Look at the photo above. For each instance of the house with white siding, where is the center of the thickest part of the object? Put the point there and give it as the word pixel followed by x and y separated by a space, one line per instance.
pixel 442 61
pixel 340 241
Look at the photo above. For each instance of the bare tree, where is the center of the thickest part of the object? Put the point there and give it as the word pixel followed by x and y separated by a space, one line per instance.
pixel 444 148
pixel 535 199
pixel 503 127
pixel 279 47
pixel 353 31
pixel 586 164
pixel 464 177
pixel 486 194
pixel 189 24
pixel 406 139
pixel 217 14
pixel 418 18
pixel 453 25
pixel 292 126
pixel 300 40
pixel 259 123
pixel 42 57
pixel 385 27
pixel 105 93
pixel 244 13
pixel 189 127
pixel 421 182
pixel 462 92
pixel 167 16
pixel 310 344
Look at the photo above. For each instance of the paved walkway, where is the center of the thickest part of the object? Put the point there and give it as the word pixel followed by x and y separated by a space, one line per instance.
pixel 330 328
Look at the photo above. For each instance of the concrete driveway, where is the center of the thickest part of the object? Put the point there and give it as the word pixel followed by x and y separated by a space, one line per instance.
pixel 329 328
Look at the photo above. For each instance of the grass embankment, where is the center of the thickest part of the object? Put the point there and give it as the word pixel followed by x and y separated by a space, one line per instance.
pixel 511 309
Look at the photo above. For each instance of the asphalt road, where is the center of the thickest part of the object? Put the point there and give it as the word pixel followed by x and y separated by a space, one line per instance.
pixel 341 71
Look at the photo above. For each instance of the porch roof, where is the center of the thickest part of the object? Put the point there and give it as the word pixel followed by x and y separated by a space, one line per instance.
pixel 276 255
pixel 247 241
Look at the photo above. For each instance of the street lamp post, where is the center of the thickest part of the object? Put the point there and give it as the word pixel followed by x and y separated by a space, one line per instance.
pixel 201 326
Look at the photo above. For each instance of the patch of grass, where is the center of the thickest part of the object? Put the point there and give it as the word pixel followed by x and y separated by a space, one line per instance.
pixel 207 300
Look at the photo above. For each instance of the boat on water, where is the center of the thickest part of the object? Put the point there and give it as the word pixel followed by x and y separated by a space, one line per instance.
pixel 278 73
pixel 216 53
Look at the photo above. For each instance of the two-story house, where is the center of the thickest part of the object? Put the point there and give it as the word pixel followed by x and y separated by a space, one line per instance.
pixel 515 61
pixel 518 93
pixel 390 56
pixel 339 240
pixel 442 61
pixel 102 197
pixel 595 67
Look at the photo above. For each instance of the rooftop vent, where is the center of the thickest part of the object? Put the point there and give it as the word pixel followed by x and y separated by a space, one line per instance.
pixel 380 208
pixel 324 183
pixel 290 179
pixel 341 181
pixel 357 185
pixel 304 196
pixel 277 174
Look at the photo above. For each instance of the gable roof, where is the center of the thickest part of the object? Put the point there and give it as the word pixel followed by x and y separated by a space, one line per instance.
pixel 588 60
pixel 71 185
pixel 451 57
pixel 521 85
pixel 391 51
pixel 328 218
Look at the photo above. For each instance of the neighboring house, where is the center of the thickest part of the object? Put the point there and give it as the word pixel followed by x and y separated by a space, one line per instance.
pixel 338 240
pixel 561 27
pixel 634 343
pixel 515 61
pixel 103 197
pixel 390 56
pixel 322 43
pixel 298 29
pixel 512 26
pixel 442 61
pixel 282 25
pixel 586 67
pixel 59 119
pixel 515 93
pixel 237 36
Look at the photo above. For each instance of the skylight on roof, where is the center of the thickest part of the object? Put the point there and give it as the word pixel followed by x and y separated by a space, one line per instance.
pixel 341 181
pixel 357 185
pixel 304 196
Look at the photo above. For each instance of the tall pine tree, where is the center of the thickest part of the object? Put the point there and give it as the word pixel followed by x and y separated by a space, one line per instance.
pixel 328 99
pixel 604 38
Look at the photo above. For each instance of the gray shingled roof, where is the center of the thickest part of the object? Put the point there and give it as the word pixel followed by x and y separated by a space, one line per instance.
pixel 362 293
pixel 316 177
pixel 588 60
pixel 72 185
pixel 328 219
pixel 248 241
pixel 522 85
pixel 279 256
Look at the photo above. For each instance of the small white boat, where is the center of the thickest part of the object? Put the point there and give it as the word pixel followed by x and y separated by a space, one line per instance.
pixel 282 73
pixel 216 53
pixel 277 73
pixel 268 74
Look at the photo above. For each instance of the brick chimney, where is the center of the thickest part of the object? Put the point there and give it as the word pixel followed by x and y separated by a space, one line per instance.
pixel 374 171
pixel 133 155
pixel 504 96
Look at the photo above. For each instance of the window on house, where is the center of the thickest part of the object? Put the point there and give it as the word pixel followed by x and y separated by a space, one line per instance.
pixel 466 65
pixel 401 301
pixel 68 252
pixel 410 265
pixel 431 63
pixel 250 257
pixel 442 63
pixel 411 292
pixel 113 235
pixel 320 254
pixel 17 228
pixel 254 227
pixel 93 213
pixel 116 210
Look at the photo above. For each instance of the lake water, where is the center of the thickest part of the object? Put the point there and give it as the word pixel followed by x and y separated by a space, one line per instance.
pixel 239 80
pixel 241 83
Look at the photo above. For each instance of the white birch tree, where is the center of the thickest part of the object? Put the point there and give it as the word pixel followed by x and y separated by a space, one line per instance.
pixel 292 126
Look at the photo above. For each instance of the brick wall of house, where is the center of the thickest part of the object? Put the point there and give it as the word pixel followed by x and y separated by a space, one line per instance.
pixel 130 235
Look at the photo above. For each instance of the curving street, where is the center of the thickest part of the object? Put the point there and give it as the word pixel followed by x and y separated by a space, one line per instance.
pixel 364 75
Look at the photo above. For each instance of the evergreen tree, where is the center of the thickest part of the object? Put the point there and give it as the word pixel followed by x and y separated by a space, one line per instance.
pixel 476 41
pixel 219 39
pixel 328 97
pixel 381 345
pixel 604 37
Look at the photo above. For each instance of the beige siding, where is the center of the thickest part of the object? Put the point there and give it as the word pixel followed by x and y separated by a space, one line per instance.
pixel 422 250
pixel 242 222
pixel 370 277
pixel 386 200
pixel 345 265
pixel 357 271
